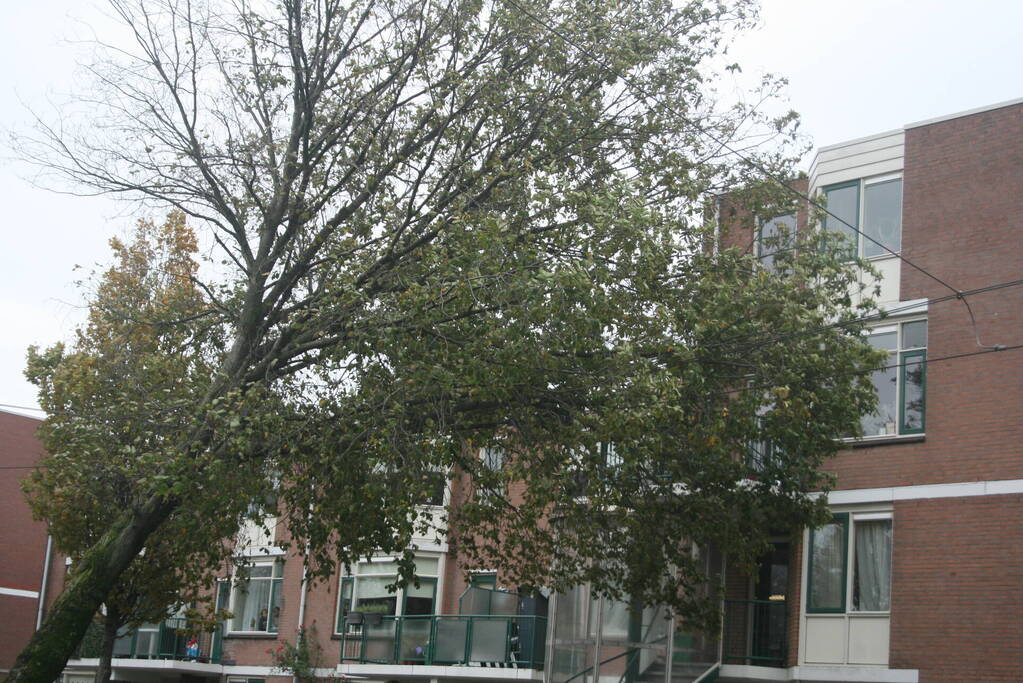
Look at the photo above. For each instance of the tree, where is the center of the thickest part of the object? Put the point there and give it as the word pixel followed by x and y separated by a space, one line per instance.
pixel 111 405
pixel 446 225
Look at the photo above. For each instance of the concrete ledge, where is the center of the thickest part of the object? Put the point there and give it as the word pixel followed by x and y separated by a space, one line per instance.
pixel 819 674
pixel 388 671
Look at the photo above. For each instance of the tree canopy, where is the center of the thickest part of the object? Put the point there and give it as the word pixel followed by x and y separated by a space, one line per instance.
pixel 441 226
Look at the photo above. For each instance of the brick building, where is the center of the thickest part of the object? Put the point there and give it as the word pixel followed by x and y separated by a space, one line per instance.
pixel 23 542
pixel 917 578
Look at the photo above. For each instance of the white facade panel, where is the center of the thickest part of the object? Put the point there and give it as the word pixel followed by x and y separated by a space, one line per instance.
pixel 862 158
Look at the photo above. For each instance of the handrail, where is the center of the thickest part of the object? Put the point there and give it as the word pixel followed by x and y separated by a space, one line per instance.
pixel 167 641
pixel 388 641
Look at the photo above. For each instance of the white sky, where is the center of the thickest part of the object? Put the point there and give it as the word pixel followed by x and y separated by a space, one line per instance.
pixel 854 68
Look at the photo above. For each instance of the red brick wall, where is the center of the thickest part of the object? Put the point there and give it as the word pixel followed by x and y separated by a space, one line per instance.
pixel 737 224
pixel 963 221
pixel 957 601
pixel 22 541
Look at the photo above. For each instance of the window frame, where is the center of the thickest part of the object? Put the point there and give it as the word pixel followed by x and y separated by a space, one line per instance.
pixel 400 595
pixel 901 353
pixel 849 520
pixel 758 242
pixel 858 232
pixel 843 518
pixel 276 589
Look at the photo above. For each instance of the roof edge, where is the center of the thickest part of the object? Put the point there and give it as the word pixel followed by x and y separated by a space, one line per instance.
pixel 967 112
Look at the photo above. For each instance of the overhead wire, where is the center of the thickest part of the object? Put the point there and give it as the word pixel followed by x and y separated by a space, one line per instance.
pixel 753 163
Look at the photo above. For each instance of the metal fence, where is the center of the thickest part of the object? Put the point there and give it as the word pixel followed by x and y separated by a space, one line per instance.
pixel 467 640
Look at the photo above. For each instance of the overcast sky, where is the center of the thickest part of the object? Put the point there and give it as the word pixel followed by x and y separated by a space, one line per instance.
pixel 854 68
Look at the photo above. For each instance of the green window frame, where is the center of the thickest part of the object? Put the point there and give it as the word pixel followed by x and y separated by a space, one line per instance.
pixel 906 361
pixel 842 520
pixel 906 403
pixel 867 220
pixel 833 224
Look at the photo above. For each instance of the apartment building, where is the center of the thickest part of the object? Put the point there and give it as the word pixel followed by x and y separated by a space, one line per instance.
pixel 916 578
pixel 23 542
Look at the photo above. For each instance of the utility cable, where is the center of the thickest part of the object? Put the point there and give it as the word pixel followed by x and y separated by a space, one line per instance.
pixel 753 163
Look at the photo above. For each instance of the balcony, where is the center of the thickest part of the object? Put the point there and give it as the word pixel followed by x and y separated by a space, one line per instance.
pixel 755 633
pixel 493 640
pixel 167 641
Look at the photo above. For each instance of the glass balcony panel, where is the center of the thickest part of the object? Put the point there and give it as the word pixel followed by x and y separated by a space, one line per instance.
pixel 450 645
pixel 489 640
pixel 415 640
pixel 379 641
pixel 503 603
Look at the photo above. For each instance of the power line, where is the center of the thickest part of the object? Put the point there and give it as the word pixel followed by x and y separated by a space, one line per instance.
pixel 927 361
pixel 875 316
pixel 718 141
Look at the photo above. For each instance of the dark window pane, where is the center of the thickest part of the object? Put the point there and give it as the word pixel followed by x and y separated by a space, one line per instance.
pixel 435 485
pixel 914 368
pixel 882 217
pixel 420 600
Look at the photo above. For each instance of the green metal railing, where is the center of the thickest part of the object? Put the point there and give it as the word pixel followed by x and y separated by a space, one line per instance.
pixel 755 632
pixel 169 639
pixel 442 639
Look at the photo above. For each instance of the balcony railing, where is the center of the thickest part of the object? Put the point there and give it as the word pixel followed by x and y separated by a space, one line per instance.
pixel 169 639
pixel 755 632
pixel 446 640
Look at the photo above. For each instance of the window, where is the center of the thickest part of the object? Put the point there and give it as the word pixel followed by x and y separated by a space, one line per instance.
pixel 491 482
pixel 366 591
pixel 900 384
pixel 256 598
pixel 868 213
pixel 838 585
pixel 435 484
pixel 775 236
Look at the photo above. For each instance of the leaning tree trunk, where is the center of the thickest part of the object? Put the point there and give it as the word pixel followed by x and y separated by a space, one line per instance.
pixel 110 627
pixel 43 659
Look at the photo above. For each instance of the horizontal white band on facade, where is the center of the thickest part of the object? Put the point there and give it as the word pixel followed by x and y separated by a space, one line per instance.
pixel 18 592
pixel 891 494
pixel 434 671
pixel 820 674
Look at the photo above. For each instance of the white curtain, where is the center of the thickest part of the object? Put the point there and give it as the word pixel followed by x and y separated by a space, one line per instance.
pixel 251 601
pixel 873 565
